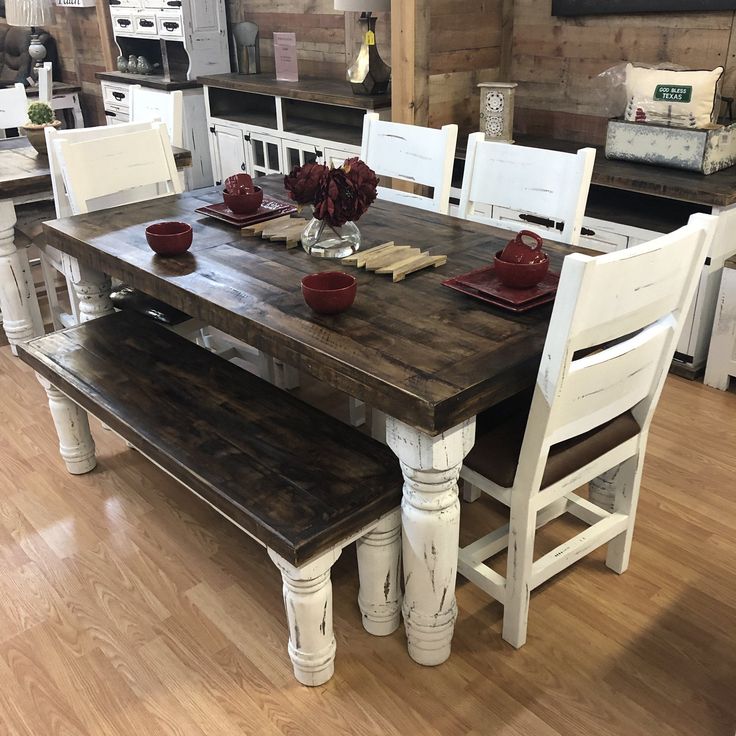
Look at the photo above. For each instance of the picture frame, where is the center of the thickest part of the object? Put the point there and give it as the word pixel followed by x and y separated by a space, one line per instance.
pixel 565 8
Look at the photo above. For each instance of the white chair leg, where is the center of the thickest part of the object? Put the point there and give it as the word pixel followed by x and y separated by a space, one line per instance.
pixel 522 527
pixel 357 412
pixel 284 376
pixel 470 492
pixel 49 279
pixel 627 481
pixel 308 603
pixel 378 425
pixel 379 570
pixel 76 445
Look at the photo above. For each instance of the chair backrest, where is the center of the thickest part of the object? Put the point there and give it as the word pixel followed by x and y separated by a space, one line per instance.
pixel 411 154
pixel 107 166
pixel 13 106
pixel 147 105
pixel 547 184
pixel 612 335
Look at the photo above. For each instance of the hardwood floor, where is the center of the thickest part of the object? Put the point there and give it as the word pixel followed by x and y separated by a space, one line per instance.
pixel 128 607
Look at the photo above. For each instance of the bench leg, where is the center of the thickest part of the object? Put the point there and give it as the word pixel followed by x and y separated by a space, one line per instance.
pixel 379 570
pixel 76 445
pixel 308 604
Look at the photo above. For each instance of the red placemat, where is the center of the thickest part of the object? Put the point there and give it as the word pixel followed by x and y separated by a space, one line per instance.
pixel 270 209
pixel 484 284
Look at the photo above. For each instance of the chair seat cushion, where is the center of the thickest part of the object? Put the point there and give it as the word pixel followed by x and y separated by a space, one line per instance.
pixel 500 432
pixel 126 298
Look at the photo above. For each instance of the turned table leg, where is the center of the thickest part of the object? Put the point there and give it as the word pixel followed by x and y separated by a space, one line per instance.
pixel 379 570
pixel 76 445
pixel 17 295
pixel 308 603
pixel 93 292
pixel 431 528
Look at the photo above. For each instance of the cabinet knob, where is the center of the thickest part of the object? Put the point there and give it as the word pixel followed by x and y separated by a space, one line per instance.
pixel 242 166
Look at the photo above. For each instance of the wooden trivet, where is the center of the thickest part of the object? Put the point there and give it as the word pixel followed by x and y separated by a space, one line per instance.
pixel 398 260
pixel 281 229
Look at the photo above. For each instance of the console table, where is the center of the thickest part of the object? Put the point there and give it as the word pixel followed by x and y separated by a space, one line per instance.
pixel 263 126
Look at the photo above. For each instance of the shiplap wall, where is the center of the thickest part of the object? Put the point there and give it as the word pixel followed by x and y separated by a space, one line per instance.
pixel 556 60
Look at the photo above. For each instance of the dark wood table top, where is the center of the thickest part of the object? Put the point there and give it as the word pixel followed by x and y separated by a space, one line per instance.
pixel 415 349
pixel 59 88
pixel 155 81
pixel 313 89
pixel 24 172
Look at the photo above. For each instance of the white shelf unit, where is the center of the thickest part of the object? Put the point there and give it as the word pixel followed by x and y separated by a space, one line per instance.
pixel 261 133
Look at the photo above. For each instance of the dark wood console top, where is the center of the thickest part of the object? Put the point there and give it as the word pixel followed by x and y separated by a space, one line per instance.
pixel 147 80
pixel 311 89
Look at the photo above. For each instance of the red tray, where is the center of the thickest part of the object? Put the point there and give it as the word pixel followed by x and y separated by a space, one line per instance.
pixel 485 285
pixel 269 210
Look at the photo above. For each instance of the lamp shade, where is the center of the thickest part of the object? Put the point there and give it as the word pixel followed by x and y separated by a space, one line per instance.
pixel 360 6
pixel 29 12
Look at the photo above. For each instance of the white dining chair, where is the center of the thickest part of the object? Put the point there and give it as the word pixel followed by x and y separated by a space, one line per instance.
pixel 505 184
pixel 413 154
pixel 613 331
pixel 148 105
pixel 93 168
pixel 13 107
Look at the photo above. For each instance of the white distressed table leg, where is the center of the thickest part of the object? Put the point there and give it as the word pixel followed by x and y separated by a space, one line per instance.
pixel 76 445
pixel 308 603
pixel 93 292
pixel 379 570
pixel 16 292
pixel 431 530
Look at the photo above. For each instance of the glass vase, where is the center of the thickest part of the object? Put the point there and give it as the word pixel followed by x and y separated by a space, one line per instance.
pixel 322 240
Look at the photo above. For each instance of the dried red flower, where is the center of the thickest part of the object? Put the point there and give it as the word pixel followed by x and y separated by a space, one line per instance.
pixel 303 181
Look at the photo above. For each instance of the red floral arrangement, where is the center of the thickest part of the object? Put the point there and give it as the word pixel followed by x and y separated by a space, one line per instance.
pixel 338 195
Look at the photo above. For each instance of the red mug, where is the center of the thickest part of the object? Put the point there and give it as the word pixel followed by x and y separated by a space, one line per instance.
pixel 517 251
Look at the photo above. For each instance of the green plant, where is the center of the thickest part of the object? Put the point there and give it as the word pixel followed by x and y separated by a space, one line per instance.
pixel 39 113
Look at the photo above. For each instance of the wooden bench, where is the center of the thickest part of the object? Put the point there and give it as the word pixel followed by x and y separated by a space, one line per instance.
pixel 721 363
pixel 296 480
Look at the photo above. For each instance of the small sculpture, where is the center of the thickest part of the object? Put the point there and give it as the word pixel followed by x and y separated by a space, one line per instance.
pixel 122 64
pixel 144 66
pixel 132 64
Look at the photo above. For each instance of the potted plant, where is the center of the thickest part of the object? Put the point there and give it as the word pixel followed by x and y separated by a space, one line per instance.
pixel 40 117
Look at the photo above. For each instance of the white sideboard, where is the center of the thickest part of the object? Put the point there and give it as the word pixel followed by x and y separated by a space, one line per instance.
pixel 262 126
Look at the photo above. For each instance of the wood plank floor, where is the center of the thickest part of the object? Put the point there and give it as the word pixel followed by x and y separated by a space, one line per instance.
pixel 127 607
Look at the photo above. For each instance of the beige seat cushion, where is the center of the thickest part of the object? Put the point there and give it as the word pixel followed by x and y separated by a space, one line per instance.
pixel 500 432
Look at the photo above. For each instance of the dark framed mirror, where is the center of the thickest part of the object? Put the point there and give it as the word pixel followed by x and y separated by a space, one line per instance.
pixel 611 7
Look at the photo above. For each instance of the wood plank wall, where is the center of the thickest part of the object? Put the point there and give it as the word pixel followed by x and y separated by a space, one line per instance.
pixel 464 49
pixel 556 61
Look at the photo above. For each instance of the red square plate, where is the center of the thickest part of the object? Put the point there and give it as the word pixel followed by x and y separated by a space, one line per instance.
pixel 485 285
pixel 270 209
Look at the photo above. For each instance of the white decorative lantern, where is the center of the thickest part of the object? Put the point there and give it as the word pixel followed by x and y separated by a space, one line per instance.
pixel 497 110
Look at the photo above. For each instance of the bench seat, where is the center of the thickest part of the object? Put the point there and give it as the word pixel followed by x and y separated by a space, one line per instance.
pixel 295 479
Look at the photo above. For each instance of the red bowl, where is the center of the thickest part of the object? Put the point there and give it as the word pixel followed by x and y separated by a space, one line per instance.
pixel 169 238
pixel 329 292
pixel 244 204
pixel 235 181
pixel 520 275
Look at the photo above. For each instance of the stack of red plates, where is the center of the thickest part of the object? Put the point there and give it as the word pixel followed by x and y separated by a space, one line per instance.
pixel 484 284
pixel 269 210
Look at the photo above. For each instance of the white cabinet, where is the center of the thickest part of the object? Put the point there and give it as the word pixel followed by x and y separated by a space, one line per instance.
pixel 282 125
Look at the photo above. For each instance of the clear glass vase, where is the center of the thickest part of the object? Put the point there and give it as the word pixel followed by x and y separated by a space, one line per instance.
pixel 325 241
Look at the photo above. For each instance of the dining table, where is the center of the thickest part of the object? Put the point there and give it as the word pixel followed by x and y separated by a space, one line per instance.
pixel 428 357
pixel 25 176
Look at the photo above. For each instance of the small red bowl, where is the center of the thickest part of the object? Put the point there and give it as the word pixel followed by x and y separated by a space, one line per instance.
pixel 329 292
pixel 244 204
pixel 235 181
pixel 520 275
pixel 169 238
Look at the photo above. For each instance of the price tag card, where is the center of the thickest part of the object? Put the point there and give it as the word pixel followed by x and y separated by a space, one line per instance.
pixel 284 51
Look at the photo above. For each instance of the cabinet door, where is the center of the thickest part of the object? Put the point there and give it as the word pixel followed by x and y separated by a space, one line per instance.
pixel 228 151
pixel 265 155
pixel 205 16
pixel 297 154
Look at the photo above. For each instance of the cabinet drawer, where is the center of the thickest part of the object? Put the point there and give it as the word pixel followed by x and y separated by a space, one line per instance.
pixel 170 24
pixel 145 24
pixel 161 4
pixel 602 240
pixel 115 4
pixel 117 95
pixel 116 114
pixel 123 23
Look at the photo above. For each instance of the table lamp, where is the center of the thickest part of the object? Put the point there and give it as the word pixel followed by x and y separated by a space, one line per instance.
pixel 368 74
pixel 32 13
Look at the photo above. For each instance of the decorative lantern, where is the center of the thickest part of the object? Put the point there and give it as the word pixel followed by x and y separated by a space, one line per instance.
pixel 497 110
